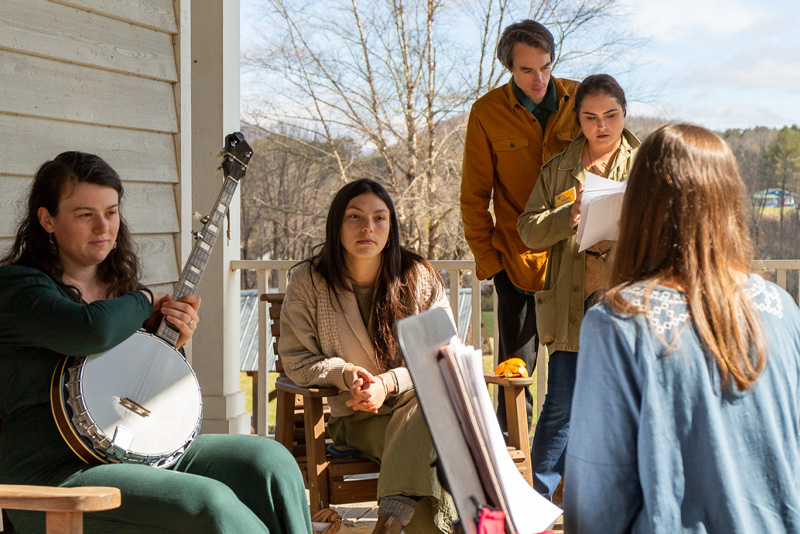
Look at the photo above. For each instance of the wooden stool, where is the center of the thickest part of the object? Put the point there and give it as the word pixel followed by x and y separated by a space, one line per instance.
pixel 516 420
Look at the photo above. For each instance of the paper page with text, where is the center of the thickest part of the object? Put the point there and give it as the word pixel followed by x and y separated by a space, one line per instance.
pixel 601 206
pixel 530 512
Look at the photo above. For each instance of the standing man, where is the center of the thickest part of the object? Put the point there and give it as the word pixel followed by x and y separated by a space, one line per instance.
pixel 512 131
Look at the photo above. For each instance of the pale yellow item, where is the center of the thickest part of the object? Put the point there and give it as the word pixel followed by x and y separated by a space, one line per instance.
pixel 512 368
pixel 565 198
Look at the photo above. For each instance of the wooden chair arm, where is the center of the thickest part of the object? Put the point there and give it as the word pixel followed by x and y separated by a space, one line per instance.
pixel 284 383
pixel 53 499
pixel 490 378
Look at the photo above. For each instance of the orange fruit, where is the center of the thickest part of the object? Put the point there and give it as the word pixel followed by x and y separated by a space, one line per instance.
pixel 512 368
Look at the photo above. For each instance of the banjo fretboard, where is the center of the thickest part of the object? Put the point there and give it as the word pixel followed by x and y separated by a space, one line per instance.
pixel 205 239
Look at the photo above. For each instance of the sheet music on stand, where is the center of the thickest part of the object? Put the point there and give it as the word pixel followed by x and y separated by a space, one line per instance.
pixel 448 378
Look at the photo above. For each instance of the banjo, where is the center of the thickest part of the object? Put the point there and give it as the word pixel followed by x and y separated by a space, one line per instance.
pixel 140 401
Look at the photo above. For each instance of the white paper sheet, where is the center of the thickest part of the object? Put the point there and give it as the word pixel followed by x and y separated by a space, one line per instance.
pixel 601 206
pixel 530 512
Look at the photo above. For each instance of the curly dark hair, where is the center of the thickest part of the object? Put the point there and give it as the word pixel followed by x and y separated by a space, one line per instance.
pixel 53 180
pixel 396 287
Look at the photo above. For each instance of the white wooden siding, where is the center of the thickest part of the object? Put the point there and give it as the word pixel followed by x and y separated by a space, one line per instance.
pixel 42 28
pixel 97 76
pixel 157 14
pixel 136 155
pixel 51 88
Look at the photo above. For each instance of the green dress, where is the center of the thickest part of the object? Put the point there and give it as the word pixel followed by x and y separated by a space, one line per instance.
pixel 222 484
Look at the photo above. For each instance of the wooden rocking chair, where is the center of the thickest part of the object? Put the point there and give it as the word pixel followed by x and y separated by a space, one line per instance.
pixel 300 426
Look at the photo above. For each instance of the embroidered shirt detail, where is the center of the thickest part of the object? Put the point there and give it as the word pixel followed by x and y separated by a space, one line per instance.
pixel 765 296
pixel 667 307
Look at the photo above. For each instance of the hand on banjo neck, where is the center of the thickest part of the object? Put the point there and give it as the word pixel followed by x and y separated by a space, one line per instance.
pixel 181 314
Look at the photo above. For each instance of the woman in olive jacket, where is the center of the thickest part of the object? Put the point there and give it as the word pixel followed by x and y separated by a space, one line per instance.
pixel 573 279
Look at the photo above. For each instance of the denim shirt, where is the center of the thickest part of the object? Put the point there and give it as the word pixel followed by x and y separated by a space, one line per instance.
pixel 657 446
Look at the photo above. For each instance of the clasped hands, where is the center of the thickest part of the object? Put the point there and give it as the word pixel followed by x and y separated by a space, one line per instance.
pixel 369 392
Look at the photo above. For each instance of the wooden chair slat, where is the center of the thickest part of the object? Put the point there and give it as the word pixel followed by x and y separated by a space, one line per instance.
pixel 490 378
pixel 352 491
pixel 284 384
pixel 64 507
pixel 53 499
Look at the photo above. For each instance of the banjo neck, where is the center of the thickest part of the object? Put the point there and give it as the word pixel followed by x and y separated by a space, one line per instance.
pixel 234 166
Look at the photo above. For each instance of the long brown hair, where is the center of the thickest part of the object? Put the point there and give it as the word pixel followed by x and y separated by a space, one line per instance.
pixel 396 289
pixel 683 222
pixel 53 181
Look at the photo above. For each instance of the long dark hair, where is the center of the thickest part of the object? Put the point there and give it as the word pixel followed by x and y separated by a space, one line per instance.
pixel 684 221
pixel 53 181
pixel 396 294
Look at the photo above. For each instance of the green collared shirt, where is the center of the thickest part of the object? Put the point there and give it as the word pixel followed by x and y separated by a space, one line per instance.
pixel 542 111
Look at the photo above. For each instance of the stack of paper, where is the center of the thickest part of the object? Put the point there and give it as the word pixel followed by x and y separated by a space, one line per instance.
pixel 462 368
pixel 601 206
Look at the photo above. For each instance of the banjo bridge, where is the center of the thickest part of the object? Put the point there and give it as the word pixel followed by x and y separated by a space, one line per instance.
pixel 134 407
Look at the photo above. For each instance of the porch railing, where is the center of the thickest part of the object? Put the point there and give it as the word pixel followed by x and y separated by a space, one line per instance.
pixel 453 270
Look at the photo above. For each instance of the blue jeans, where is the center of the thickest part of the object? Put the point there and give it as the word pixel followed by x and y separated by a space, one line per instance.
pixel 552 429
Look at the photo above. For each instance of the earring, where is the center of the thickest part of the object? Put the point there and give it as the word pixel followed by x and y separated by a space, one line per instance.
pixel 53 247
pixel 115 246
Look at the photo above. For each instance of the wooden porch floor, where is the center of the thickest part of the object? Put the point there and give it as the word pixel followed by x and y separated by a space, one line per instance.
pixel 367 512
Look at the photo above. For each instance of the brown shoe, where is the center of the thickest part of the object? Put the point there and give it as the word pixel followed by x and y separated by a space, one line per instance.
pixel 558 494
pixel 387 525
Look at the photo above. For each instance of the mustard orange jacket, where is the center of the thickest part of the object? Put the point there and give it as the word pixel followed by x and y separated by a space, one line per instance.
pixel 503 154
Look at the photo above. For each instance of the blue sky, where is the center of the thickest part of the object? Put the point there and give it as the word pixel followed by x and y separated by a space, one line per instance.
pixel 719 63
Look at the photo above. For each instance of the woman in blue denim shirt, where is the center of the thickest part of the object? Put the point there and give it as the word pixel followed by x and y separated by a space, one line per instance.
pixel 687 400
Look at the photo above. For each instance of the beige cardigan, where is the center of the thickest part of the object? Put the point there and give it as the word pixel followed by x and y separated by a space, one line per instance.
pixel 319 336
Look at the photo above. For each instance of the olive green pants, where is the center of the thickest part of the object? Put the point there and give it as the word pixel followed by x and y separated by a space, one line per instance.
pixel 223 484
pixel 398 438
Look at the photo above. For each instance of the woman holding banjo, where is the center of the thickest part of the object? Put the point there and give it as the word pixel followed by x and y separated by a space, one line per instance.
pixel 69 286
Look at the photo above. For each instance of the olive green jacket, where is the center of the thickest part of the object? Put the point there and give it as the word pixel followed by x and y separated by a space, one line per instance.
pixel 559 306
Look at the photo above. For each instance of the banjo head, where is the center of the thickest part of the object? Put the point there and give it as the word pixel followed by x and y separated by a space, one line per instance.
pixel 144 386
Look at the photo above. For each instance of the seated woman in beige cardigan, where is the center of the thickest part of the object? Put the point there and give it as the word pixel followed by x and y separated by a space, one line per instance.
pixel 337 329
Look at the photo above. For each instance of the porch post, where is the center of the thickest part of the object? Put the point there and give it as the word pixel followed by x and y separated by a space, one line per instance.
pixel 215 113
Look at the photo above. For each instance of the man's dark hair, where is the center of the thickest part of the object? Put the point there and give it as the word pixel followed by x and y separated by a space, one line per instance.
pixel 528 32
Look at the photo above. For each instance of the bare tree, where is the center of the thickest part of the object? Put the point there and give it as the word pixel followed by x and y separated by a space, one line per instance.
pixel 750 148
pixel 397 77
pixel 784 158
pixel 285 196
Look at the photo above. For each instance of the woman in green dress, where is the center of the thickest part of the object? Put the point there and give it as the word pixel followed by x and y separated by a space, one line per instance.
pixel 69 286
